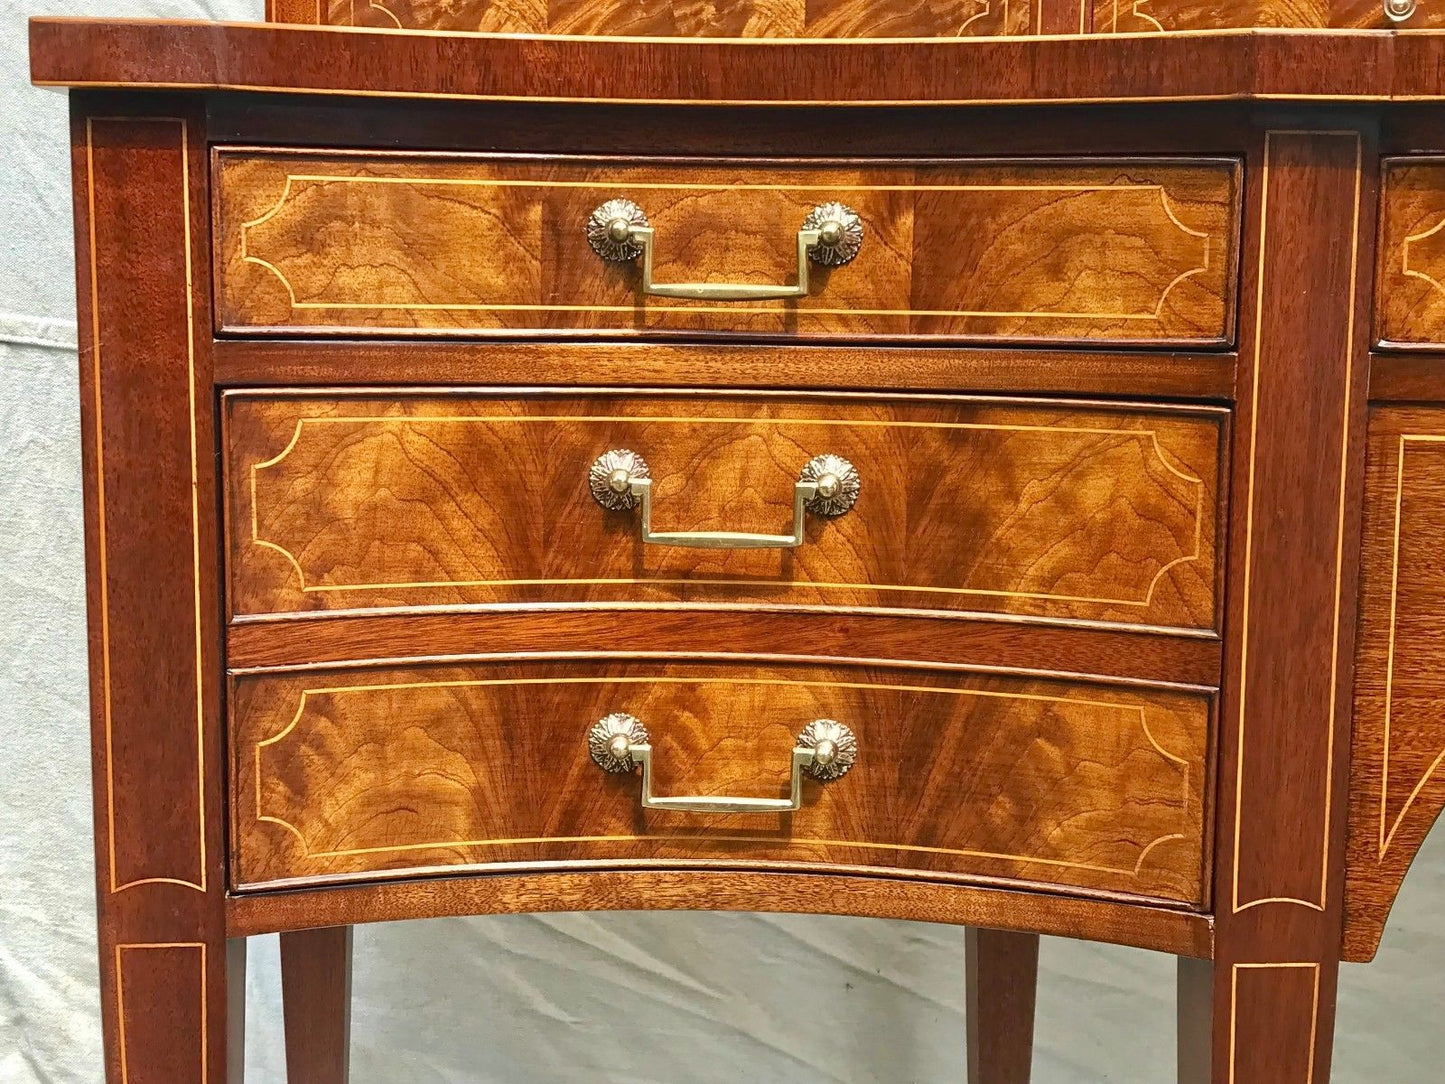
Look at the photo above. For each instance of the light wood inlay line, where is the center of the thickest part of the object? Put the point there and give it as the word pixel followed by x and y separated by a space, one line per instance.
pixel 602 185
pixel 120 950
pixel 1134 710
pixel 649 420
pixel 1314 1008
pixel 1387 836
pixel 1315 905
pixel 199 884
pixel 1415 273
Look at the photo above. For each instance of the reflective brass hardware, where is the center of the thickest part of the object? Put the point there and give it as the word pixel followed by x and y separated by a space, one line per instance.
pixel 1398 11
pixel 620 480
pixel 825 750
pixel 831 235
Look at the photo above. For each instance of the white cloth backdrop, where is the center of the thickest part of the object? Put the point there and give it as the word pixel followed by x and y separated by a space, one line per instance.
pixel 628 998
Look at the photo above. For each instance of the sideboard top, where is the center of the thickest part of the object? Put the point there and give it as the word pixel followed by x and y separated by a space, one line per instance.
pixel 1226 65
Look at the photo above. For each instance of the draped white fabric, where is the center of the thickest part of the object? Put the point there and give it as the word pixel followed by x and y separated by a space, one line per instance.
pixel 627 998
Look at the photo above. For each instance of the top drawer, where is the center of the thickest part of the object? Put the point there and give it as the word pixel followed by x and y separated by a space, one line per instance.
pixel 1127 251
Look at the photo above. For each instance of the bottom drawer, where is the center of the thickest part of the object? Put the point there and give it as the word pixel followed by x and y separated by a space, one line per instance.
pixel 349 773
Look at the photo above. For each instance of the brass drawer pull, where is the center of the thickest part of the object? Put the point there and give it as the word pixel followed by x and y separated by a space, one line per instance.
pixel 825 750
pixel 827 486
pixel 831 235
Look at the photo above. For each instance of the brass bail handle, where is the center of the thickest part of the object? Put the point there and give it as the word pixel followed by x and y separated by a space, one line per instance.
pixel 620 480
pixel 824 751
pixel 831 236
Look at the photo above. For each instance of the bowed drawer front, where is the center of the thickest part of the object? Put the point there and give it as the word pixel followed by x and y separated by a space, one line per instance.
pixel 357 773
pixel 1057 510
pixel 1130 251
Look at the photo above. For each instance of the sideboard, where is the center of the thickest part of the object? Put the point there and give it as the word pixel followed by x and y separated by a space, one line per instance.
pixel 981 467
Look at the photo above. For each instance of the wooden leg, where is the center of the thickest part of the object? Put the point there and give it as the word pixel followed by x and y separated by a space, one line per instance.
pixel 1255 1023
pixel 316 1002
pixel 153 588
pixel 1002 974
pixel 1195 1015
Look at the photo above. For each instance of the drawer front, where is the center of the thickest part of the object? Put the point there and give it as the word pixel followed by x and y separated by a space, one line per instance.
pixel 722 18
pixel 1049 510
pixel 368 772
pixel 1135 251
pixel 1410 280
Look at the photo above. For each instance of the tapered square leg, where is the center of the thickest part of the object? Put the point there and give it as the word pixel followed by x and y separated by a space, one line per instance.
pixel 1253 1023
pixel 316 1003
pixel 1002 971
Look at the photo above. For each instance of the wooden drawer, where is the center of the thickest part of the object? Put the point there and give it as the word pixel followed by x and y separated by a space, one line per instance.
pixel 1055 510
pixel 1129 251
pixel 358 773
pixel 1410 281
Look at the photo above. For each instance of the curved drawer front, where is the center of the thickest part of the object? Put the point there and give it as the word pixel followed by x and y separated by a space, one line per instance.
pixel 368 772
pixel 1124 251
pixel 1052 510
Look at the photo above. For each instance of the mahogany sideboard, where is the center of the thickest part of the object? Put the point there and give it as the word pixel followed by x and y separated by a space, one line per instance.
pixel 982 467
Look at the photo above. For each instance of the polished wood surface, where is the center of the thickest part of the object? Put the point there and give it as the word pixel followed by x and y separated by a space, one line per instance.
pixel 1001 978
pixel 1044 786
pixel 1126 251
pixel 1119 921
pixel 1397 787
pixel 406 770
pixel 292 362
pixel 153 599
pixel 1046 509
pixel 904 638
pixel 1410 281
pixel 316 1002
pixel 1285 719
pixel 665 18
pixel 748 18
pixel 1217 66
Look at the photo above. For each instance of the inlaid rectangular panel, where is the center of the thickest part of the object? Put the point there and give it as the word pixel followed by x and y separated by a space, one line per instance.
pixel 1131 251
pixel 1397 786
pixel 673 18
pixel 344 501
pixel 1410 280
pixel 1152 16
pixel 359 773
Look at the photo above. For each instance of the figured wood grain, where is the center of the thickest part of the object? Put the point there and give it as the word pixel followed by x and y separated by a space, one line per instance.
pixel 798 18
pixel 341 773
pixel 666 18
pixel 1045 509
pixel 1397 783
pixel 1410 278
pixel 1125 251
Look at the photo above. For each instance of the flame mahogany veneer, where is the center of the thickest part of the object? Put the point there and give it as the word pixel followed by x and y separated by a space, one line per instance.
pixel 1135 618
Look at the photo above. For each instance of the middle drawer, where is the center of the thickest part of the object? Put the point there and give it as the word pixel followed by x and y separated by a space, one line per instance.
pixel 1043 509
